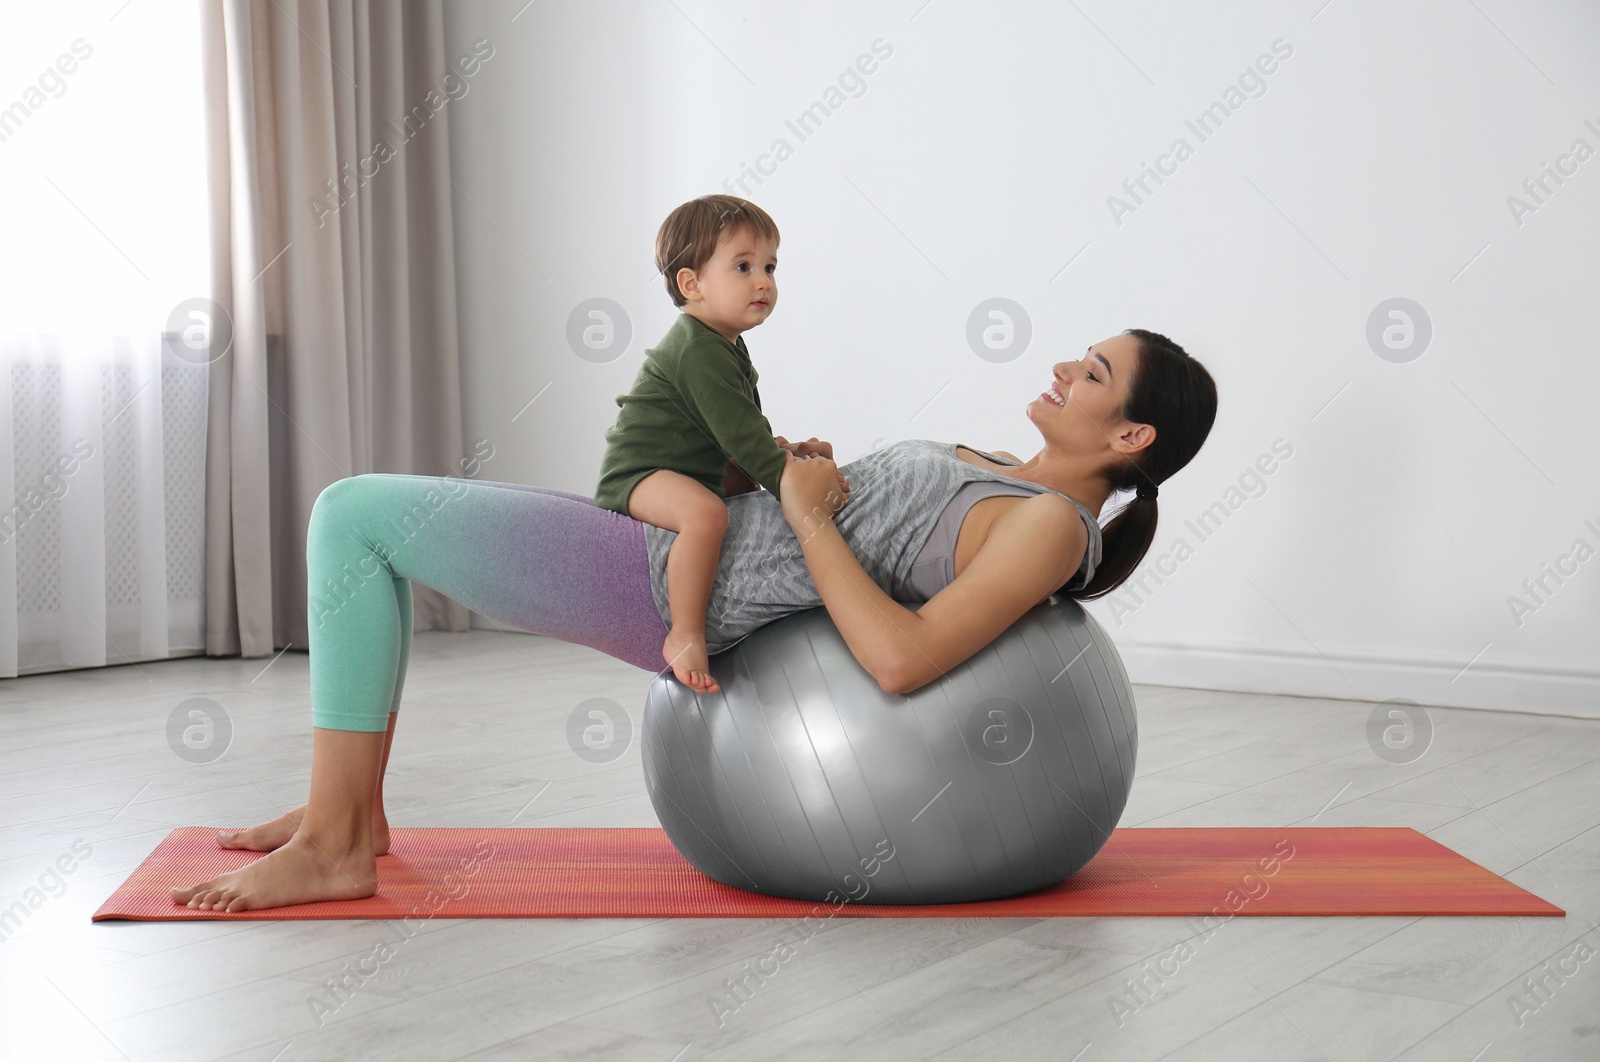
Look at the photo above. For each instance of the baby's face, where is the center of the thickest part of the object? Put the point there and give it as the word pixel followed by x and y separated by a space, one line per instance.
pixel 739 285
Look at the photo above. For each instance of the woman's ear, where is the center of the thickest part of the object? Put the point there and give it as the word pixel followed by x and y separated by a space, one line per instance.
pixel 1136 438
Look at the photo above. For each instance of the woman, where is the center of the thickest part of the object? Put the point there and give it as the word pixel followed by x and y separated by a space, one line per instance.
pixel 1134 410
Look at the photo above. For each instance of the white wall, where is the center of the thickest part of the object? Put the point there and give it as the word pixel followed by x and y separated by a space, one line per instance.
pixel 1380 558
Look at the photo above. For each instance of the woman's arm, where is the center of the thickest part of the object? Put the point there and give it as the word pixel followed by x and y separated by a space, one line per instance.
pixel 1031 551
pixel 905 650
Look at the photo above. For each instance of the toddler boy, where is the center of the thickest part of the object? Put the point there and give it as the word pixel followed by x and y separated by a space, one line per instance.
pixel 691 431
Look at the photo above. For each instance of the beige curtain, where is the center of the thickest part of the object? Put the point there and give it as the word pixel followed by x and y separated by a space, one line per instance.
pixel 331 230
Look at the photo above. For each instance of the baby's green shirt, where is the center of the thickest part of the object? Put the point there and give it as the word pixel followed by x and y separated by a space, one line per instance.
pixel 693 407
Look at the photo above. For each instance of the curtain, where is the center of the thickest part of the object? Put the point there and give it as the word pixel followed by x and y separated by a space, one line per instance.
pixel 100 548
pixel 102 425
pixel 333 345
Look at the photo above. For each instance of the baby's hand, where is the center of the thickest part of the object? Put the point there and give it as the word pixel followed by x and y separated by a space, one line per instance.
pixel 810 447
pixel 815 446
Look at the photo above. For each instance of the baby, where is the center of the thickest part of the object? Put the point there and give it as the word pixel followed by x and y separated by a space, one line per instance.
pixel 691 431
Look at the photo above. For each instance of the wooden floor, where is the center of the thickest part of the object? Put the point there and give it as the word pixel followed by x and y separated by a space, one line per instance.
pixel 85 761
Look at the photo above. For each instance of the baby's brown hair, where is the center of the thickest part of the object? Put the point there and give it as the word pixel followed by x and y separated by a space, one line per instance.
pixel 688 238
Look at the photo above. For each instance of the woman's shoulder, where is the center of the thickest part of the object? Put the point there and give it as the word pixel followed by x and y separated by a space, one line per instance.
pixel 1050 525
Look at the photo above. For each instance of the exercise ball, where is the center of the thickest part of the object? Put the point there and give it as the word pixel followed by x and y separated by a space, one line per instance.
pixel 802 778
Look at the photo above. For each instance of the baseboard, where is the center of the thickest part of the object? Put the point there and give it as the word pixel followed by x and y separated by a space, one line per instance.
pixel 1371 676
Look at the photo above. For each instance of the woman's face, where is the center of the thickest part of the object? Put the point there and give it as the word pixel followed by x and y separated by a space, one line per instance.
pixel 1088 417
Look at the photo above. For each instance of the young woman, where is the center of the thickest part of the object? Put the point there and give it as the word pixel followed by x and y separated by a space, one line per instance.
pixel 980 538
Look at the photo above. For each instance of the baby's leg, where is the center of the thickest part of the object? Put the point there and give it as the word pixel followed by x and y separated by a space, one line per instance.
pixel 678 503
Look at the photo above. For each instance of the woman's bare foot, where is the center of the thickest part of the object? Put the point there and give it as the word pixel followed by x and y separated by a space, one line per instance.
pixel 273 835
pixel 297 872
pixel 686 652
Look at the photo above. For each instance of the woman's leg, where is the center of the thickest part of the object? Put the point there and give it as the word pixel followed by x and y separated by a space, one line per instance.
pixel 538 560
pixel 276 833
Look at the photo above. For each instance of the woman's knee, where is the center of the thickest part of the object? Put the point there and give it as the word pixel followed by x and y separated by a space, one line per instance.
pixel 339 490
pixel 346 500
pixel 343 491
pixel 331 499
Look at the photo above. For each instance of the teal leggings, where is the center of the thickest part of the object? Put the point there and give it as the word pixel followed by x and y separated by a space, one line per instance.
pixel 539 560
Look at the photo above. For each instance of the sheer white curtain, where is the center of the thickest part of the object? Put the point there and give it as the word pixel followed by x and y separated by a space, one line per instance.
pixel 102 421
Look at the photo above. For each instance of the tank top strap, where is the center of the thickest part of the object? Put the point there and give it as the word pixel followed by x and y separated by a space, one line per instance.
pixel 984 453
pixel 935 566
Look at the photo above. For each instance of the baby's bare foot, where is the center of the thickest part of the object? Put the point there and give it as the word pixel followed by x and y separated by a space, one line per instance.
pixel 298 872
pixel 273 835
pixel 686 652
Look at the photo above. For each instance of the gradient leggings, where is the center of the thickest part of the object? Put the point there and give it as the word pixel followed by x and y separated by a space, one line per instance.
pixel 539 560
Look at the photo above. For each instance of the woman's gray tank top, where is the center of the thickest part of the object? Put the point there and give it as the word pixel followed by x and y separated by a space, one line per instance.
pixel 935 566
pixel 907 502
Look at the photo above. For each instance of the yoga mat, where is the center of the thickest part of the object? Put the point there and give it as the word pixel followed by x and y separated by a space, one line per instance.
pixel 636 873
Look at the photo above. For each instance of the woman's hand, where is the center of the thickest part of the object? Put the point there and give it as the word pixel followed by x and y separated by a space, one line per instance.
pixel 813 490
pixel 814 447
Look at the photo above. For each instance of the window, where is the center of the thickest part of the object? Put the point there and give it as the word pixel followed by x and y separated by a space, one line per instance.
pixel 102 166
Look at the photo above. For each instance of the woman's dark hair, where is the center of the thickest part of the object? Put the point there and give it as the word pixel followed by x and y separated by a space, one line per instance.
pixel 1173 393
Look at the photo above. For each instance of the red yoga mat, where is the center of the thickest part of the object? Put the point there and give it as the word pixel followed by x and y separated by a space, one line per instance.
pixel 636 873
